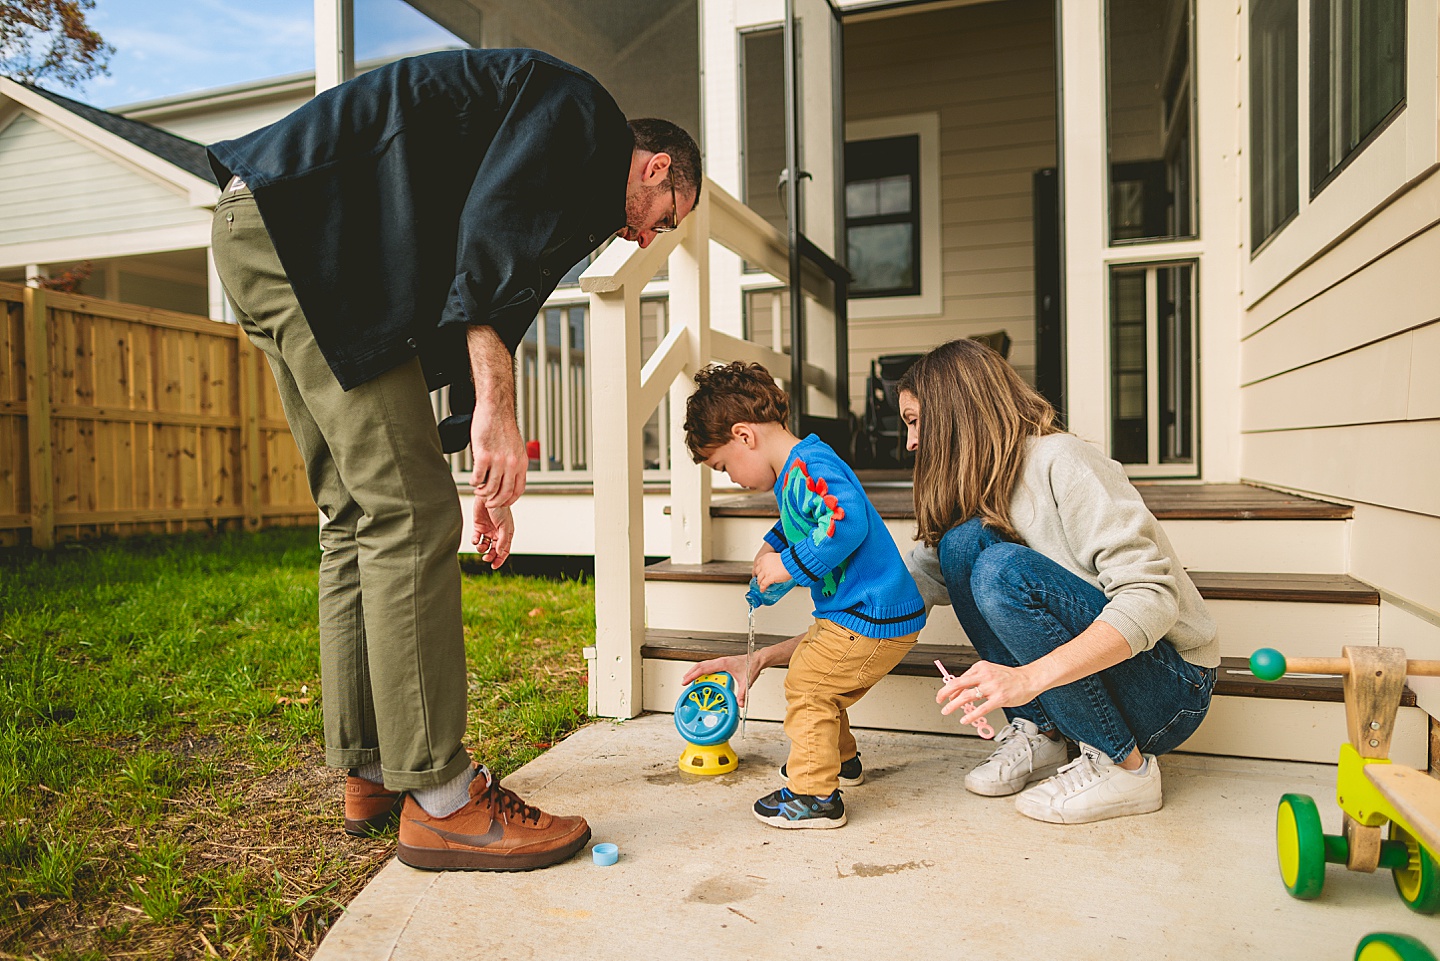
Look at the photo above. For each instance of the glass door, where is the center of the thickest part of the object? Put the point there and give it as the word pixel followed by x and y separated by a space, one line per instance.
pixel 813 190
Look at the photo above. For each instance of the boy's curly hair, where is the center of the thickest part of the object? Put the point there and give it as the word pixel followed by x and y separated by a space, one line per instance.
pixel 726 395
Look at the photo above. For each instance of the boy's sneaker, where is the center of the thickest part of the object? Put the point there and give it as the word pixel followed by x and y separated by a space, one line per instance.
pixel 783 809
pixel 1093 788
pixel 851 773
pixel 369 808
pixel 493 831
pixel 1022 754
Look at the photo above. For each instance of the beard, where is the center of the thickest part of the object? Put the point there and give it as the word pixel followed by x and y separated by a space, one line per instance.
pixel 640 202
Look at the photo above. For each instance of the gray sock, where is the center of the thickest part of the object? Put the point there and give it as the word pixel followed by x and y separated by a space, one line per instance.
pixel 371 772
pixel 447 798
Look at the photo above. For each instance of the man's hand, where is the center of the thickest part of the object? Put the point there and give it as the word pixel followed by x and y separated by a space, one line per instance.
pixel 495 441
pixel 769 569
pixel 500 459
pixel 494 530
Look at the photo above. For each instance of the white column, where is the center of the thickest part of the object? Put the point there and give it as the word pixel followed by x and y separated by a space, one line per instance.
pixel 690 302
pixel 334 43
pixel 34 274
pixel 1220 177
pixel 619 527
pixel 1083 187
pixel 720 112
pixel 218 304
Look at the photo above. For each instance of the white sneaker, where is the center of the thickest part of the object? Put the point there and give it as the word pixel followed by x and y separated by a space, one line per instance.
pixel 1093 788
pixel 1022 754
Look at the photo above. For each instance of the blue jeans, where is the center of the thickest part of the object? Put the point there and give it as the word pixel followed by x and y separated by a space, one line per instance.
pixel 1016 605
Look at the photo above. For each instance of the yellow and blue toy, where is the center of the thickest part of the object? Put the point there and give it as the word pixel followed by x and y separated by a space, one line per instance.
pixel 706 715
pixel 1371 792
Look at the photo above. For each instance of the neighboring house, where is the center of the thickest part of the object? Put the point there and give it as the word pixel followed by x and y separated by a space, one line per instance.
pixel 1209 232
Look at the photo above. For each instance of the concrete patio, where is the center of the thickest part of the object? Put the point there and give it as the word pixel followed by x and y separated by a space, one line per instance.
pixel 922 868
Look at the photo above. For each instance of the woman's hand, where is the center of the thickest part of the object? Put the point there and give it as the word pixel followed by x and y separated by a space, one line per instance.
pixel 985 687
pixel 734 665
pixel 769 569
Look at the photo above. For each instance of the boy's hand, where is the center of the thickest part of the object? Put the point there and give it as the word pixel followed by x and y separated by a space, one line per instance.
pixel 765 548
pixel 769 569
pixel 494 530
pixel 734 665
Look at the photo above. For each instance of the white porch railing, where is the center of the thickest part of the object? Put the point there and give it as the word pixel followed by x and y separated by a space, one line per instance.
pixel 625 391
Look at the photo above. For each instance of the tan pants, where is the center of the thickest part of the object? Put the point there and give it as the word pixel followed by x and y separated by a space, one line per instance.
pixel 831 669
pixel 392 649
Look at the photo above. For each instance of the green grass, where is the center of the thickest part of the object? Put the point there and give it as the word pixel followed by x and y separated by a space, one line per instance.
pixel 162 788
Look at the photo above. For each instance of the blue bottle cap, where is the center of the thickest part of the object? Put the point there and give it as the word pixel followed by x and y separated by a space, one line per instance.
pixel 605 854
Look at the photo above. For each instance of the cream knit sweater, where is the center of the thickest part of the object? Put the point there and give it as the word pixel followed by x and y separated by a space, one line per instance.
pixel 1076 506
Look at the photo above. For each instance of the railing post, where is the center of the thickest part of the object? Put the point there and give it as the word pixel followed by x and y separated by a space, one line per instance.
pixel 690 541
pixel 37 419
pixel 247 361
pixel 619 522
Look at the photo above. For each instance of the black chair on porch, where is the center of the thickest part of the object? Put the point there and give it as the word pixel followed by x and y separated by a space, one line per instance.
pixel 881 444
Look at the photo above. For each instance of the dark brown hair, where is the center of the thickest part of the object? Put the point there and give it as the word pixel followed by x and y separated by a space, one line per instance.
pixel 726 395
pixel 975 416
pixel 662 136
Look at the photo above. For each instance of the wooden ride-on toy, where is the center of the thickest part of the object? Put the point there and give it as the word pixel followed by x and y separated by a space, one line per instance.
pixel 1370 790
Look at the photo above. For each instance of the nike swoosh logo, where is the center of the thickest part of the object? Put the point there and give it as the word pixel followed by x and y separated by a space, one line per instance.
pixel 496 832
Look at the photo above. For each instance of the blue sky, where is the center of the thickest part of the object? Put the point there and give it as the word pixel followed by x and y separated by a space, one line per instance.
pixel 167 47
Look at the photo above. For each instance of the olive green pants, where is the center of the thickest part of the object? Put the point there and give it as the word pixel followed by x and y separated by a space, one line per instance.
pixel 392 657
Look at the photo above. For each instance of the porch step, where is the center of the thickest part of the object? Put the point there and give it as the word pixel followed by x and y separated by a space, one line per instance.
pixel 1281 533
pixel 1296 718
pixel 1306 615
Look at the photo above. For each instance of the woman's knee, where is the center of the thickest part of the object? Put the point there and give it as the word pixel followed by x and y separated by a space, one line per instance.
pixel 961 547
pixel 1000 570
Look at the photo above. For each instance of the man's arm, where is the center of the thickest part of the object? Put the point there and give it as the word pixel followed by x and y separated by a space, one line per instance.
pixel 495 441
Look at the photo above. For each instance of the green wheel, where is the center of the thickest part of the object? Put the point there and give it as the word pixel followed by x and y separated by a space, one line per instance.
pixel 1417 883
pixel 1300 842
pixel 1391 947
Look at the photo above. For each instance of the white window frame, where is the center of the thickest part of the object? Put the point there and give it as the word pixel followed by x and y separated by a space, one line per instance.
pixel 930 302
pixel 1402 152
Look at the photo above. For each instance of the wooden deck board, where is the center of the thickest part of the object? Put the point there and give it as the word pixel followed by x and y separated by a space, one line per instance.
pixel 1166 502
pixel 1234 678
pixel 1213 586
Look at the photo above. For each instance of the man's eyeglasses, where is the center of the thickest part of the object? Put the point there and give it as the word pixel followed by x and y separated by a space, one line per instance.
pixel 674 212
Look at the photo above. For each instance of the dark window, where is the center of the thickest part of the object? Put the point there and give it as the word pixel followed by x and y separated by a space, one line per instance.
pixel 1149 119
pixel 1274 121
pixel 1357 77
pixel 882 216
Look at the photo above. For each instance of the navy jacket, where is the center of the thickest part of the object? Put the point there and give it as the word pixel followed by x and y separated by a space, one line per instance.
pixel 440 191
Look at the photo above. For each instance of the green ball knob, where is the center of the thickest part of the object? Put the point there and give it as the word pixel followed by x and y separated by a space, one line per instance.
pixel 1267 664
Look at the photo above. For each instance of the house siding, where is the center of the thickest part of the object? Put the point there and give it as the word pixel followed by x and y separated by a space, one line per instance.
pixel 53 187
pixel 1340 398
pixel 989 72
pixel 208 127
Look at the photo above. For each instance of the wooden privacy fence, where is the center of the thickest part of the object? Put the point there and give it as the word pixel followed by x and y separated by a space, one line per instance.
pixel 117 419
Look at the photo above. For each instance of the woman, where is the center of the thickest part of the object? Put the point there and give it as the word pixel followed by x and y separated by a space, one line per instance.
pixel 1087 625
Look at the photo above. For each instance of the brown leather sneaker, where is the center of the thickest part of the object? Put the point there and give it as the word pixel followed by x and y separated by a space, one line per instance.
pixel 369 808
pixel 494 831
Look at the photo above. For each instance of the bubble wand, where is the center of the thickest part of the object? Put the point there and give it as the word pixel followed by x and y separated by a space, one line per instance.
pixel 981 724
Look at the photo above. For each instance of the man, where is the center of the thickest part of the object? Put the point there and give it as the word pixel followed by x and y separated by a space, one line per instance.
pixel 397 233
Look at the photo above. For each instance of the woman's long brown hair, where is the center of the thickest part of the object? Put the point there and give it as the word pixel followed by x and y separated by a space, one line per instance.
pixel 975 417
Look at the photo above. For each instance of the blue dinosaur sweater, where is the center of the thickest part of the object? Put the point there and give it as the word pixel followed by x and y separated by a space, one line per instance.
pixel 833 541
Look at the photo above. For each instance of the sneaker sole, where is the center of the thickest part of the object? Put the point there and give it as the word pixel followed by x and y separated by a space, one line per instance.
pixel 804 824
pixel 996 789
pixel 369 827
pixel 1043 812
pixel 844 781
pixel 449 859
